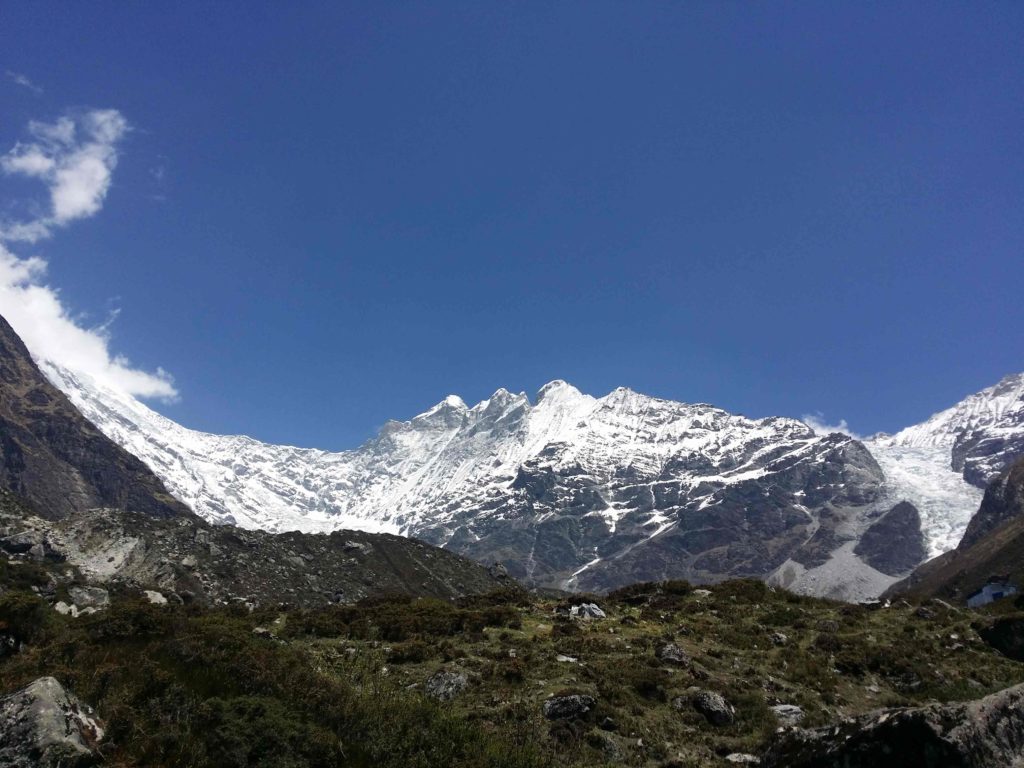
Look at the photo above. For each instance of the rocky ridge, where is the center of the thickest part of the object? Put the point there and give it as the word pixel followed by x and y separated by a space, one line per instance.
pixel 56 459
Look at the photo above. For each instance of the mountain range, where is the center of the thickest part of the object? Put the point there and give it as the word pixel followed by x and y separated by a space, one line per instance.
pixel 571 491
pixel 71 496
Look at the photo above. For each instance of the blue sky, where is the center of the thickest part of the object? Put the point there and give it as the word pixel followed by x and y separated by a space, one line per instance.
pixel 327 216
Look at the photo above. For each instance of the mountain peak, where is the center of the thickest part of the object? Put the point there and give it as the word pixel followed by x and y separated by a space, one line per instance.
pixel 558 387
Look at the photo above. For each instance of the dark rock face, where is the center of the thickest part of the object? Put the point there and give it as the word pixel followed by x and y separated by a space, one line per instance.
pixel 978 734
pixel 550 526
pixel 1003 501
pixel 51 456
pixel 894 544
pixel 981 457
pixel 43 726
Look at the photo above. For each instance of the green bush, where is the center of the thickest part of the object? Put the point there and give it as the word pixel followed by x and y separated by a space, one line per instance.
pixel 24 616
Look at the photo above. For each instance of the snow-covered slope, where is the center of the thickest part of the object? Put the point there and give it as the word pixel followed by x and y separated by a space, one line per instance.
pixel 943 464
pixel 568 489
pixel 579 491
pixel 978 437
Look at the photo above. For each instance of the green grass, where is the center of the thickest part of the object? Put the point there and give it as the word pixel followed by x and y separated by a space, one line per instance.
pixel 343 685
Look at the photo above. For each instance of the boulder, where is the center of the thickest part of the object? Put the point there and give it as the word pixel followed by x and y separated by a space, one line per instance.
pixel 715 708
pixel 568 706
pixel 587 611
pixel 44 726
pixel 788 714
pixel 445 685
pixel 984 733
pixel 96 598
pixel 673 654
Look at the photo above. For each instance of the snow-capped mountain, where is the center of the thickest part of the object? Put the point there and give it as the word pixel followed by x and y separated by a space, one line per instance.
pixel 577 491
pixel 979 436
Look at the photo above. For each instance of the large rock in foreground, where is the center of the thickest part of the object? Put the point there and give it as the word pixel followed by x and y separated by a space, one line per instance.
pixel 44 726
pixel 976 734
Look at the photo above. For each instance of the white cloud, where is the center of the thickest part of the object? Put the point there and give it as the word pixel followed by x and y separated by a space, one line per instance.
pixel 816 421
pixel 23 81
pixel 75 158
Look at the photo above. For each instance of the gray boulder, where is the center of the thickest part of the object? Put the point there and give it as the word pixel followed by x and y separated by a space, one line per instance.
pixel 788 714
pixel 445 685
pixel 587 611
pixel 673 654
pixel 985 733
pixel 715 708
pixel 44 726
pixel 566 707
pixel 96 598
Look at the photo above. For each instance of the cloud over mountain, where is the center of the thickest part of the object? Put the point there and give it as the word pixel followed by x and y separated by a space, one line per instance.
pixel 74 157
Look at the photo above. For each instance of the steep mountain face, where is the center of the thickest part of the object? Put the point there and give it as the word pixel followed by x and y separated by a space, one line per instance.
pixel 993 545
pixel 569 490
pixel 56 459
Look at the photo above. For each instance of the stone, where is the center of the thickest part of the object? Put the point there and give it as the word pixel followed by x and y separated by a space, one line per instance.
pixel 498 571
pixel 567 707
pixel 96 598
pixel 788 714
pixel 673 654
pixel 156 598
pixel 44 726
pixel 715 708
pixel 984 733
pixel 587 611
pixel 742 758
pixel 445 685
pixel 778 638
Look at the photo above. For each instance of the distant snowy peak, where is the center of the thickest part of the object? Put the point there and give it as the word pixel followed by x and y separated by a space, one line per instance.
pixel 588 492
pixel 980 436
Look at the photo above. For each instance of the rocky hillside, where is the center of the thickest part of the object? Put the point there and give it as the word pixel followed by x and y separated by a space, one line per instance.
pixel 992 546
pixel 186 559
pixel 567 490
pixel 58 460
pixel 653 676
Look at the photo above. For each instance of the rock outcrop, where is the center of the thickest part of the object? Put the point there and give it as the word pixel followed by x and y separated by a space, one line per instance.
pixel 54 458
pixel 44 726
pixel 894 543
pixel 980 734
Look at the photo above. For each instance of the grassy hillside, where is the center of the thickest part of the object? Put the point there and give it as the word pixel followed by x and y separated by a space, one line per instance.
pixel 345 685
